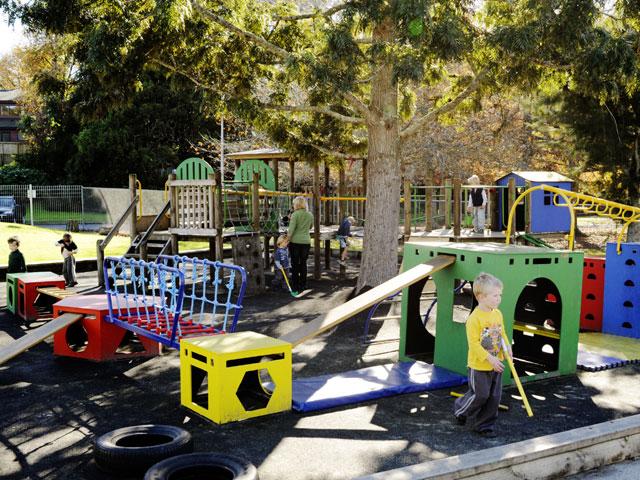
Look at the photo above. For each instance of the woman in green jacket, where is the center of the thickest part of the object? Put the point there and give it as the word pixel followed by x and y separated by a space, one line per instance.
pixel 299 243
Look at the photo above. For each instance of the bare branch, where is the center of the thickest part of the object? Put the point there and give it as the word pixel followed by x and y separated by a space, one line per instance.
pixel 317 13
pixel 257 39
pixel 415 125
pixel 357 104
pixel 316 109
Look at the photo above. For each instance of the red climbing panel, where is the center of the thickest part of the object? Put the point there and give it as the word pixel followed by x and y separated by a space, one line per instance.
pixel 592 294
pixel 93 338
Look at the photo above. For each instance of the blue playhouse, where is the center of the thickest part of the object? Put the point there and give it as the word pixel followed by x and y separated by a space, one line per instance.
pixel 545 216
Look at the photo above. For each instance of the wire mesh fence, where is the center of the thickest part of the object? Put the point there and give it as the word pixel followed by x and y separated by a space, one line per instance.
pixel 52 206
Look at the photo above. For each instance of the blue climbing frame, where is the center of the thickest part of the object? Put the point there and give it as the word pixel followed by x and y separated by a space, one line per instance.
pixel 148 298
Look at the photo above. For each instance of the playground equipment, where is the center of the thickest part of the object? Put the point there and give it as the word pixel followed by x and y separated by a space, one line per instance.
pixel 540 305
pixel 36 336
pixel 248 350
pixel 12 286
pixel 236 365
pixel 543 215
pixel 621 309
pixel 148 298
pixel 92 337
pixel 28 295
pixel 582 203
pixel 593 275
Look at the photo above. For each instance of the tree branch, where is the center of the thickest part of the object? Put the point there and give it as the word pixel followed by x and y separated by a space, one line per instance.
pixel 305 16
pixel 316 109
pixel 415 125
pixel 334 153
pixel 257 39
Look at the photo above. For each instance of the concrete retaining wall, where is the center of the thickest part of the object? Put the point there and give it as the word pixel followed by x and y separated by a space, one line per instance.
pixel 551 456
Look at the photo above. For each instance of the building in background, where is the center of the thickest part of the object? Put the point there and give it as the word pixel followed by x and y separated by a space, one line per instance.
pixel 11 142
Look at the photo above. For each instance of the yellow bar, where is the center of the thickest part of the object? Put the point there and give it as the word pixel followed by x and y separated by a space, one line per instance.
pixel 456 394
pixel 523 327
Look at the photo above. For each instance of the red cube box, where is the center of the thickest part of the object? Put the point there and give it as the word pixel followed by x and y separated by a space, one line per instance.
pixel 93 338
pixel 592 294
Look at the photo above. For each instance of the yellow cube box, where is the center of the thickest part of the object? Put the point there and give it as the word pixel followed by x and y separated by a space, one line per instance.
pixel 235 376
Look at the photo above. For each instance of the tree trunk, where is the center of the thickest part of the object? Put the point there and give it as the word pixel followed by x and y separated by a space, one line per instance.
pixel 380 255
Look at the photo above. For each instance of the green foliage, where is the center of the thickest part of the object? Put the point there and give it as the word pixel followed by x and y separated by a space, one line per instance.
pixel 14 174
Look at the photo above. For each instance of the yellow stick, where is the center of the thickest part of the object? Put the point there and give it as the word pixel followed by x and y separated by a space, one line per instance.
pixel 514 374
pixel 284 274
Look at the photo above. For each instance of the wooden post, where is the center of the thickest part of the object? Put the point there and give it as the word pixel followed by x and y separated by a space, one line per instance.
pixel 327 205
pixel 457 187
pixel 492 209
pixel 316 221
pixel 511 199
pixel 527 209
pixel 134 213
pixel 173 220
pixel 341 193
pixel 218 215
pixel 428 198
pixel 255 203
pixel 100 262
pixel 275 166
pixel 364 186
pixel 407 209
pixel 266 252
pixel 292 175
pixel 447 203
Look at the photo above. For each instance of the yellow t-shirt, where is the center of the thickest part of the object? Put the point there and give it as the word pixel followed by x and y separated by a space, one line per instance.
pixel 484 330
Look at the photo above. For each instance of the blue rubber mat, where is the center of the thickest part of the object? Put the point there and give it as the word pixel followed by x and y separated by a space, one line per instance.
pixel 593 362
pixel 328 391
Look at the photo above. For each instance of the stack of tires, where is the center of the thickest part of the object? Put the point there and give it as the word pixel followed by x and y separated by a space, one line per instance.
pixel 164 452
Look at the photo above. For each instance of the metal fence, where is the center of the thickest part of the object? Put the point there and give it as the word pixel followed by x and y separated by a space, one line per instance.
pixel 52 206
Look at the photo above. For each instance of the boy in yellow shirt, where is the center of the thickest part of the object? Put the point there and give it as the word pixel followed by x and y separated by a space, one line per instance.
pixel 485 332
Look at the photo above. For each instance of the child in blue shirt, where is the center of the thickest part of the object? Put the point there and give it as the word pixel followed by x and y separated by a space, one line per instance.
pixel 344 232
pixel 282 261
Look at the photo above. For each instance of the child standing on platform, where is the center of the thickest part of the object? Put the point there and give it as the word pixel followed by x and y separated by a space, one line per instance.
pixel 477 204
pixel 344 232
pixel 16 259
pixel 68 249
pixel 486 338
pixel 282 262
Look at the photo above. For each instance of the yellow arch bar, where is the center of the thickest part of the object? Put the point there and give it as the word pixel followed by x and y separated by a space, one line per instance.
pixel 584 203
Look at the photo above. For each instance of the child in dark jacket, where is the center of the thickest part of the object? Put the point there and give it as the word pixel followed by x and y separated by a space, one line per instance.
pixel 16 259
pixel 282 262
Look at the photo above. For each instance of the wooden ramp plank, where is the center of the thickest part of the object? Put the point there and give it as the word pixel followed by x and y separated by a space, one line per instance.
pixel 367 299
pixel 56 292
pixel 36 336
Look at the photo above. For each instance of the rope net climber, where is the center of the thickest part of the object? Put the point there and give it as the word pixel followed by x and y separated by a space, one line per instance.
pixel 175 298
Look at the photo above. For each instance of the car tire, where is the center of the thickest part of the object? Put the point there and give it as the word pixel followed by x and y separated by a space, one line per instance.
pixel 203 465
pixel 132 450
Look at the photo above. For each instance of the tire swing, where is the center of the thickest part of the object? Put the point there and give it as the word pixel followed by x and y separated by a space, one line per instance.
pixel 198 466
pixel 134 449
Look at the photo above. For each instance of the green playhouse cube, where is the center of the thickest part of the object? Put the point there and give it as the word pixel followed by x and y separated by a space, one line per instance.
pixel 540 305
pixel 12 286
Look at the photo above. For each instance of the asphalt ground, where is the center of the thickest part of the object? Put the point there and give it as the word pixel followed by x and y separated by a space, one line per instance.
pixel 52 408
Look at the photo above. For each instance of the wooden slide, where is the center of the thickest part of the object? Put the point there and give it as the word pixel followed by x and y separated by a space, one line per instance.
pixel 356 305
pixel 36 336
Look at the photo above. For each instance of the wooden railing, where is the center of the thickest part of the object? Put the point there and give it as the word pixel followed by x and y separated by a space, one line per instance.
pixel 192 207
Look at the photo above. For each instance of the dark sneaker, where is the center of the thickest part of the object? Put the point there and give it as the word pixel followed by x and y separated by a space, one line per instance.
pixel 461 419
pixel 487 433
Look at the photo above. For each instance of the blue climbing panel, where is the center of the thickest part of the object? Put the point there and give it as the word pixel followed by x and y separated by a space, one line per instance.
pixel 621 309
pixel 175 298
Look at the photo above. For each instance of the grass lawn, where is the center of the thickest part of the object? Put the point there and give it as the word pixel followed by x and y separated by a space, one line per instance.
pixel 38 244
pixel 41 215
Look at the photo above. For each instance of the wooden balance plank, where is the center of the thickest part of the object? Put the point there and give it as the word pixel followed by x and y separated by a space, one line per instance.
pixel 37 336
pixel 367 299
pixel 56 292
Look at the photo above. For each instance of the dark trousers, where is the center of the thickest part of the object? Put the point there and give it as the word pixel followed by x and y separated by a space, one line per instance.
pixel 299 253
pixel 69 269
pixel 480 403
